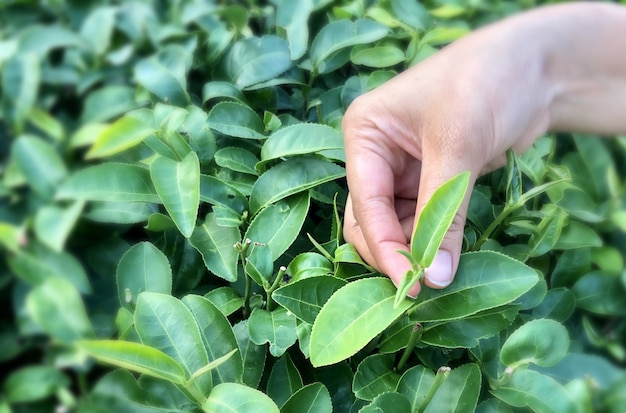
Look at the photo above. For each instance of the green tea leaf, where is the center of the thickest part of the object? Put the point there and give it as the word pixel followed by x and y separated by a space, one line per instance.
pixel 290 177
pixel 122 134
pixel 339 35
pixel 284 380
pixel 414 385
pixel 225 299
pixel 218 192
pixel 216 244
pixel 466 332
pixel 305 298
pixel 164 75
pixel 53 224
pixel 21 77
pixel 484 280
pixel 541 342
pixel 256 59
pixel 313 398
pixel 237 120
pixel 237 159
pixel 40 164
pixel 161 320
pixel 435 219
pixel 33 383
pixel 378 56
pixel 178 186
pixel 222 90
pixel 233 397
pixel 601 293
pixel 56 306
pixel 278 328
pixel 412 13
pixel 218 338
pixel 535 390
pixel 300 139
pixel 375 375
pixel 110 182
pixel 137 357
pixel 278 225
pixel 292 23
pixel 352 317
pixel 142 268
pixel 390 402
pixel 459 391
pixel 253 355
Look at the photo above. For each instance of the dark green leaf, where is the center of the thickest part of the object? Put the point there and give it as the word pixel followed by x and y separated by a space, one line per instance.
pixel 292 23
pixel 284 380
pixel 389 402
pixel 53 224
pixel 375 375
pixel 459 391
pixel 33 383
pixel 414 385
pixel 237 120
pixel 542 342
pixel 225 299
pixel 164 75
pixel 305 298
pixel 218 192
pixel 216 244
pixel 40 164
pixel 278 328
pixel 313 398
pixel 253 355
pixel 237 159
pixel 21 76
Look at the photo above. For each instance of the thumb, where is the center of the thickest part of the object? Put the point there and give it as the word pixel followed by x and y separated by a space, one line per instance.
pixel 443 268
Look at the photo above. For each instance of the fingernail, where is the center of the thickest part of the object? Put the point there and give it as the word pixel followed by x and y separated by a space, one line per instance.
pixel 440 271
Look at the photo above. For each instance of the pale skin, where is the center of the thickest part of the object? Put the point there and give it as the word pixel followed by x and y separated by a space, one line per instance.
pixel 558 68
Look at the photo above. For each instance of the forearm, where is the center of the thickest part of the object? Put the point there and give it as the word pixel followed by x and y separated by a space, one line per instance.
pixel 585 63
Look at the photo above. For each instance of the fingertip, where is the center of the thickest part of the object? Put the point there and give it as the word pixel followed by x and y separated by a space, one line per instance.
pixel 440 273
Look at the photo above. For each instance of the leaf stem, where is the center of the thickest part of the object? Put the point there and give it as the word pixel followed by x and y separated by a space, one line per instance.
pixel 275 285
pixel 415 336
pixel 440 377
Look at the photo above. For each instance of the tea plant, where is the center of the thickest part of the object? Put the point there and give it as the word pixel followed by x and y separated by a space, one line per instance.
pixel 171 194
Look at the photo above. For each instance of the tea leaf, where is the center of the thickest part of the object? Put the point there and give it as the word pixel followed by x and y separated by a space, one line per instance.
pixel 414 385
pixel 236 119
pixel 435 219
pixel 53 224
pixel 253 355
pixel 237 159
pixel 178 186
pixel 216 244
pixel 459 391
pixel 123 134
pixel 142 268
pixel 218 338
pixel 313 398
pixel 389 402
pixel 234 397
pixel 278 328
pixel 375 375
pixel 353 316
pixel 292 23
pixel 33 383
pixel 484 280
pixel 137 357
pixel 290 177
pixel 305 298
pixel 110 182
pixel 40 164
pixel 541 342
pixel 284 380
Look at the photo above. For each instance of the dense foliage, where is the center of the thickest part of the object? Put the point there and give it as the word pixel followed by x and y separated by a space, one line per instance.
pixel 171 194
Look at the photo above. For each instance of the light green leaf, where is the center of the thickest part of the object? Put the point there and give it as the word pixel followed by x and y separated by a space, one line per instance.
pixel 259 264
pixel 313 398
pixel 253 355
pixel 577 235
pixel 56 306
pixel 467 331
pixel 121 212
pixel 600 293
pixel 292 23
pixel 414 385
pixel 218 192
pixel 142 268
pixel 226 299
pixel 352 317
pixel 458 393
pixel 10 237
pixel 411 13
pixel 284 380
pixel 435 219
pixel 53 224
pixel 21 76
pixel 107 102
pixel 378 57
pixel 237 120
pixel 309 264
pixel 40 39
pixel 222 90
pixel 300 139
pixel 47 124
pixel 278 225
pixel 237 159
pixel 218 338
pixel 33 383
pixel 290 177
pixel 256 59
pixel 442 35
pixel 161 321
pixel 390 402
pixel 122 134
pixel 278 328
pixel 97 29
pixel 110 182
pixel 36 264
pixel 137 357
pixel 178 186
pixel 87 134
pixel 558 304
pixel 305 298
pixel 548 231
pixel 40 164
pixel 484 280
pixel 216 244
pixel 375 375
pixel 540 393
pixel 237 398
pixel 165 74
pixel 543 342
pixel 339 35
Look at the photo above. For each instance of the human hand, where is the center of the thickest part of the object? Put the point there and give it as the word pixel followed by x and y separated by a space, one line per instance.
pixel 458 111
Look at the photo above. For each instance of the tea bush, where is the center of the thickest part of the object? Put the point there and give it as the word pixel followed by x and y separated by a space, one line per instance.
pixel 171 194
